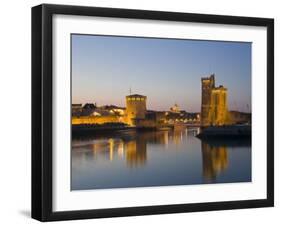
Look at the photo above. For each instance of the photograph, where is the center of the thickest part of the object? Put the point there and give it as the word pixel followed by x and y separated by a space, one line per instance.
pixel 140 112
pixel 150 111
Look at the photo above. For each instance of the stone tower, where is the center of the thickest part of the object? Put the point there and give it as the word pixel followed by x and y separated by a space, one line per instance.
pixel 135 108
pixel 214 103
pixel 208 84
pixel 218 111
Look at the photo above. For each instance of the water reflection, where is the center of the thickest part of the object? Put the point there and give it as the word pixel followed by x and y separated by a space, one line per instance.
pixel 132 145
pixel 215 160
pixel 161 157
pixel 215 155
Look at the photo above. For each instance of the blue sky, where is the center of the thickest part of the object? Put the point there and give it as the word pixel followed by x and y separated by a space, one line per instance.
pixel 167 71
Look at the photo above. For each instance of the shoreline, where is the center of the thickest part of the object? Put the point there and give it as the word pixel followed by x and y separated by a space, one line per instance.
pixel 232 131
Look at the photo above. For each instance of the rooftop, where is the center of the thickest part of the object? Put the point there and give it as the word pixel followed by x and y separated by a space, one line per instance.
pixel 212 76
pixel 220 88
pixel 136 95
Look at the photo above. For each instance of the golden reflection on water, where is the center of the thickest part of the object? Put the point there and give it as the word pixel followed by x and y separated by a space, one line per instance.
pixel 134 150
pixel 136 153
pixel 215 160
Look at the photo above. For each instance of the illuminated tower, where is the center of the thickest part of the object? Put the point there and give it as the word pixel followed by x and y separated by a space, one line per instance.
pixel 214 103
pixel 135 108
pixel 218 112
pixel 208 84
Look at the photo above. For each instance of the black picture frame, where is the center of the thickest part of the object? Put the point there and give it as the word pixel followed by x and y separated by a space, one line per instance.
pixel 42 107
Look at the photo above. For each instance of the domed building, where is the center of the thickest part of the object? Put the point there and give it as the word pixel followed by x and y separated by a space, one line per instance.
pixel 175 109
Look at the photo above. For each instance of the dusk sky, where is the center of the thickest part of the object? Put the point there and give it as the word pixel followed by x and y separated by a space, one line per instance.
pixel 167 71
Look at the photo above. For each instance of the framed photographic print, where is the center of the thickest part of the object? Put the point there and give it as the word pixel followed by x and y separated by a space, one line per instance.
pixel 145 112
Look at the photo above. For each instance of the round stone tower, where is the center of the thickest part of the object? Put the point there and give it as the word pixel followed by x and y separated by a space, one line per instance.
pixel 135 108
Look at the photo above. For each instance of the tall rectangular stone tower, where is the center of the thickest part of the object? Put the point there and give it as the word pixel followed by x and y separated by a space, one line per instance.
pixel 208 84
pixel 214 110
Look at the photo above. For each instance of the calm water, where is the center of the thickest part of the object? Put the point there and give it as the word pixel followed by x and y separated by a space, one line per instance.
pixel 132 159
